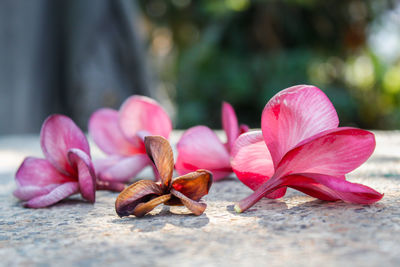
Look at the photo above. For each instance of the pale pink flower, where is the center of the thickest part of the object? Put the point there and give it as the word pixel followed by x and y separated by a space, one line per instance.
pixel 67 168
pixel 301 146
pixel 120 134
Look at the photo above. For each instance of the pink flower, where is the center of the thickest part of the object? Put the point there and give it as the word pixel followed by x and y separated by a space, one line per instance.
pixel 200 148
pixel 66 170
pixel 120 134
pixel 302 147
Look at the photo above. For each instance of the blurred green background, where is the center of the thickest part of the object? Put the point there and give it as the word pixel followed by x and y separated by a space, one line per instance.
pixel 244 52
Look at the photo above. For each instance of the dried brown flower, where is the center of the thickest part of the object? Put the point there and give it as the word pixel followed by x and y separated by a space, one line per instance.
pixel 143 196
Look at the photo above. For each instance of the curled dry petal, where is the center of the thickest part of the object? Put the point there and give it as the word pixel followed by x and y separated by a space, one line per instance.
pixel 293 115
pixel 143 208
pixel 139 192
pixel 196 207
pixel 160 152
pixel 85 173
pixel 106 133
pixel 58 135
pixel 200 148
pixel 194 185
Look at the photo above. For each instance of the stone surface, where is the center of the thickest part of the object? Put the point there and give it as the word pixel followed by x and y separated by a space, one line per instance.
pixel 295 230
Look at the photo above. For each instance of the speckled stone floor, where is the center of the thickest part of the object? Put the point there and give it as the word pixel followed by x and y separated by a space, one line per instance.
pixel 296 230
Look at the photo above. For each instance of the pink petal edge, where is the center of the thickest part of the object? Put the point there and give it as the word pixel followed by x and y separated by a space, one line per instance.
pixel 334 153
pixel 230 124
pixel 58 135
pixel 59 193
pixel 335 187
pixel 39 172
pixel 85 173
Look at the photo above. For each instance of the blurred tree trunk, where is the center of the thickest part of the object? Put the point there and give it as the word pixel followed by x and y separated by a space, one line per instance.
pixel 69 57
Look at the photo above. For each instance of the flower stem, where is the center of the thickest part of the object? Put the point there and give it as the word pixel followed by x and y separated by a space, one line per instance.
pixel 249 201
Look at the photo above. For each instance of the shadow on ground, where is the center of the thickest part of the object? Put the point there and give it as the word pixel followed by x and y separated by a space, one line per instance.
pixel 155 222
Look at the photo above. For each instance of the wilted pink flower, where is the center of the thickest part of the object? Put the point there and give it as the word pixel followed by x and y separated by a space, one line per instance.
pixel 200 148
pixel 300 146
pixel 120 134
pixel 66 170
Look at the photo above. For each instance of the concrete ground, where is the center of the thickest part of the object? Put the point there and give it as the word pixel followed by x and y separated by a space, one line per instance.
pixel 296 230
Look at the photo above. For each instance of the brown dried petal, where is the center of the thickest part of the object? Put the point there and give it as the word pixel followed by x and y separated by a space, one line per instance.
pixel 196 207
pixel 160 152
pixel 139 192
pixel 194 185
pixel 143 208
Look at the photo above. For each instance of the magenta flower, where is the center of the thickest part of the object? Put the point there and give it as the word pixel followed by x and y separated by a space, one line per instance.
pixel 120 134
pixel 301 146
pixel 66 170
pixel 200 148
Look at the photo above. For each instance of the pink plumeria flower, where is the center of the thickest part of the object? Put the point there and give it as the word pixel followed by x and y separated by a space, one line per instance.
pixel 67 168
pixel 120 134
pixel 200 148
pixel 301 146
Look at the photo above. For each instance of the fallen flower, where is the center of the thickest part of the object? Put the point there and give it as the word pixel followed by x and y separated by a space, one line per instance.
pixel 200 148
pixel 120 135
pixel 66 170
pixel 301 146
pixel 143 196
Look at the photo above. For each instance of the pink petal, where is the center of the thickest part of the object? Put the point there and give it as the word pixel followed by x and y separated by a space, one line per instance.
pixel 86 175
pixel 106 133
pixel 336 188
pixel 293 115
pixel 243 128
pixel 200 148
pixel 39 172
pixel 140 113
pixel 252 163
pixel 103 164
pixel 334 153
pixel 251 160
pixel 324 187
pixel 230 124
pixel 31 191
pixel 121 169
pixel 312 188
pixel 58 135
pixel 60 192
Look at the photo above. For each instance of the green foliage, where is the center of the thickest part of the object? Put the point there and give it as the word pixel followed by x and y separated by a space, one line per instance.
pixel 244 51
